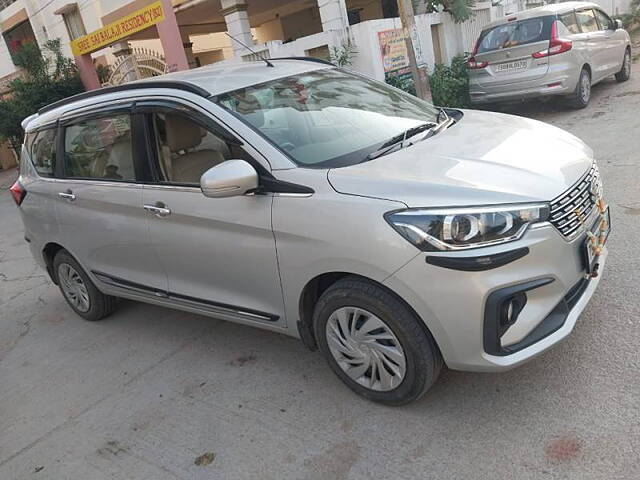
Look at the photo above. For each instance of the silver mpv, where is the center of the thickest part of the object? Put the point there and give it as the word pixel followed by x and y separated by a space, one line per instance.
pixel 394 236
pixel 559 49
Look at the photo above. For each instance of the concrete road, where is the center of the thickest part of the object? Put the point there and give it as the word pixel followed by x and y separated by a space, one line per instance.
pixel 149 391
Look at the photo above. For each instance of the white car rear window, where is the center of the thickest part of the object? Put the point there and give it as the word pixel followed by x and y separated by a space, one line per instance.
pixel 513 34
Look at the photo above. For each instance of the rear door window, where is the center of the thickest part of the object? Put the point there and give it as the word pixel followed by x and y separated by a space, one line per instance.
pixel 570 21
pixel 100 149
pixel 43 152
pixel 587 21
pixel 515 34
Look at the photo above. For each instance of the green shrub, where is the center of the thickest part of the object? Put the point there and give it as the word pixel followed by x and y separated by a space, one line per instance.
pixel 630 20
pixel 343 54
pixel 460 10
pixel 47 76
pixel 450 84
pixel 403 82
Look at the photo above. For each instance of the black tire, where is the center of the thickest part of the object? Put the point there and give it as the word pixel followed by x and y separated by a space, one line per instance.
pixel 582 93
pixel 625 72
pixel 100 305
pixel 423 359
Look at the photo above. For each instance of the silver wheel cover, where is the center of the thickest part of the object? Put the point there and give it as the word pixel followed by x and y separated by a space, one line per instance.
pixel 366 348
pixel 74 289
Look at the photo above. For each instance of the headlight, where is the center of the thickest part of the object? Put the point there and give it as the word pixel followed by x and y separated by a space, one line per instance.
pixel 464 228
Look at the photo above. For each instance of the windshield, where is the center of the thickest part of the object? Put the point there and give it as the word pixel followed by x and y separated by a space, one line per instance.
pixel 328 118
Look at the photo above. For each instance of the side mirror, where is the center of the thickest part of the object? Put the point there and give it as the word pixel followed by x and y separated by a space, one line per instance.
pixel 229 179
pixel 617 24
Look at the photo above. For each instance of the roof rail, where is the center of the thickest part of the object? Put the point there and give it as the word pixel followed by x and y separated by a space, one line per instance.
pixel 178 85
pixel 307 59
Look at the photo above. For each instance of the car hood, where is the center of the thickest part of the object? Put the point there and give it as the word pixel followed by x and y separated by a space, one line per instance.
pixel 485 158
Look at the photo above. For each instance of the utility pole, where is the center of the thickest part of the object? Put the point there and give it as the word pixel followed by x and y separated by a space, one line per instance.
pixel 419 74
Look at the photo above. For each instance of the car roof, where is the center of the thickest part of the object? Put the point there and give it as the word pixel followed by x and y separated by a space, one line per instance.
pixel 550 9
pixel 207 81
pixel 221 78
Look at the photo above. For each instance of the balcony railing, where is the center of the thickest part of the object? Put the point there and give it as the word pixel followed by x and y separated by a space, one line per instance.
pixel 5 3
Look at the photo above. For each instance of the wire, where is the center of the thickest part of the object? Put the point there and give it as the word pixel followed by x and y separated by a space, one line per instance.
pixel 42 8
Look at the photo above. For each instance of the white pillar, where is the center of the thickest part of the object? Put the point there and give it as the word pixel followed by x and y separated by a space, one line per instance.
pixel 237 20
pixel 333 14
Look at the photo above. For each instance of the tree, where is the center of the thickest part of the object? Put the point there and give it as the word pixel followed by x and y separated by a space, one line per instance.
pixel 418 72
pixel 460 10
pixel 47 76
pixel 631 19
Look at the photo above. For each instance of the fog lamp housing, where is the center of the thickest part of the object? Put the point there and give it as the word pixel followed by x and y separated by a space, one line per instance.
pixel 510 310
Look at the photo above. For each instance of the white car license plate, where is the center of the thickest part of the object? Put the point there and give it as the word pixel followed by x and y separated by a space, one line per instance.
pixel 517 65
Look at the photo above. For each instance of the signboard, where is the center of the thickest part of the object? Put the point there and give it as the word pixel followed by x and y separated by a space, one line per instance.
pixel 393 50
pixel 121 28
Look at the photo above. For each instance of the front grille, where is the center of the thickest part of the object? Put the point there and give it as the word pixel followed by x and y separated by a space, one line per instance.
pixel 576 203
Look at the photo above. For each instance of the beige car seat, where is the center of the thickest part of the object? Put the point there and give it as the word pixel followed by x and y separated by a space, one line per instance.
pixel 98 164
pixel 187 163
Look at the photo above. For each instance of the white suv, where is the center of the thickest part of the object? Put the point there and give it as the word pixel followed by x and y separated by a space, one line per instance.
pixel 306 200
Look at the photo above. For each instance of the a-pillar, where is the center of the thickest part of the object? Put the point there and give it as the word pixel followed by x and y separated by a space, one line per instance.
pixel 237 20
pixel 171 40
pixel 333 14
pixel 87 71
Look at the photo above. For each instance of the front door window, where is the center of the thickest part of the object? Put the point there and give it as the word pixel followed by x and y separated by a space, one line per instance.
pixel 186 149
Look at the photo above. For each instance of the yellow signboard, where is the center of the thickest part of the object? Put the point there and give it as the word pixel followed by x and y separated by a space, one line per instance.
pixel 121 28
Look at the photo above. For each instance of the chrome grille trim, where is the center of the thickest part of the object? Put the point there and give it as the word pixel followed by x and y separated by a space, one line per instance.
pixel 579 197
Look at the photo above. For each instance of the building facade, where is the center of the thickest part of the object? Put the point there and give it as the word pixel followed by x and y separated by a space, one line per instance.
pixel 197 32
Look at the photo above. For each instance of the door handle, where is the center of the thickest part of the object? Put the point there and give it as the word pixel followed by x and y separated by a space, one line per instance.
pixel 158 211
pixel 68 195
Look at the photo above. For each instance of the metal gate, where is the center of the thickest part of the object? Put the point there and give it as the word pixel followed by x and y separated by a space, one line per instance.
pixel 140 63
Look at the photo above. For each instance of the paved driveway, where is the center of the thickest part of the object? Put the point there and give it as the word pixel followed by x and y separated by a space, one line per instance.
pixel 146 392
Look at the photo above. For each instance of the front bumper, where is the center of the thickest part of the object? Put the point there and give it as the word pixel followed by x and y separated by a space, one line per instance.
pixel 454 304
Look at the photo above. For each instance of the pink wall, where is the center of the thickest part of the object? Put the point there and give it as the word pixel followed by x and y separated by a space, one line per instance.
pixel 171 43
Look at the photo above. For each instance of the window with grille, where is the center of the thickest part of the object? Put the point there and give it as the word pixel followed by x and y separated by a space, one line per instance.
pixel 74 23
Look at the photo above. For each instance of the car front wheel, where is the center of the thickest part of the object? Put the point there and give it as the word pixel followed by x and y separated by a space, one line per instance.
pixel 375 343
pixel 625 72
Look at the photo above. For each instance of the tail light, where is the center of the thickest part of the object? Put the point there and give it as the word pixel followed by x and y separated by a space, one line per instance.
pixel 18 192
pixel 556 45
pixel 472 63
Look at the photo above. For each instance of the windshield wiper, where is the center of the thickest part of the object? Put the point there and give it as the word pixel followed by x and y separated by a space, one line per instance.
pixel 398 140
pixel 443 125
pixel 443 112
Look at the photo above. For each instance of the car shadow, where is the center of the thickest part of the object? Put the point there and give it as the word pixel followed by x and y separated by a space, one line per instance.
pixel 261 354
pixel 551 105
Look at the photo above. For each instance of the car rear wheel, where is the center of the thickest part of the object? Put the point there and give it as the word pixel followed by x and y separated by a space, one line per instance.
pixel 582 94
pixel 79 291
pixel 625 72
pixel 375 343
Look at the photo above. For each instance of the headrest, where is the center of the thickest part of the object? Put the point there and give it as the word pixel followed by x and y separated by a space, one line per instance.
pixel 249 107
pixel 182 133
